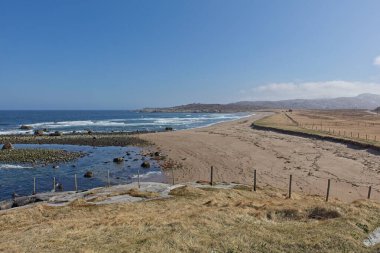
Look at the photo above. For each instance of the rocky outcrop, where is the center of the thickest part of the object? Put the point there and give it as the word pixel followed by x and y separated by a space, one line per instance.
pixel 25 127
pixel 7 146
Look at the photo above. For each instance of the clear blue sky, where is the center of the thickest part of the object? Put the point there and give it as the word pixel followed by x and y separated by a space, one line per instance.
pixel 90 54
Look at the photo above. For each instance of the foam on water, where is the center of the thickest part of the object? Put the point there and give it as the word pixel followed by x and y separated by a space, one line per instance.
pixel 12 166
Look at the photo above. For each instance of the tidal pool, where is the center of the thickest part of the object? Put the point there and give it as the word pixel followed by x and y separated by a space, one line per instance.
pixel 19 178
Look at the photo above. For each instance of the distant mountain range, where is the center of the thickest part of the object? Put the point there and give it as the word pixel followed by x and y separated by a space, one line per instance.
pixel 362 101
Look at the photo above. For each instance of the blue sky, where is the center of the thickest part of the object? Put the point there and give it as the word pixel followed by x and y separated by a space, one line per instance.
pixel 90 54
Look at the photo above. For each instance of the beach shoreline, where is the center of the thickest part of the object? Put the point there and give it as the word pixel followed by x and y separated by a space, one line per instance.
pixel 235 150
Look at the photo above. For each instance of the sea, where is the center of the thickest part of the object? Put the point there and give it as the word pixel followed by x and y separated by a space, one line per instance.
pixel 106 121
pixel 21 179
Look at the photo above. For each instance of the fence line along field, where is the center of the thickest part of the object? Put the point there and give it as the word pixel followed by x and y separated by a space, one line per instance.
pixel 358 125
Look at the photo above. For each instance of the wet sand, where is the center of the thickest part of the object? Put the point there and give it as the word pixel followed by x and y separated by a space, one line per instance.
pixel 235 150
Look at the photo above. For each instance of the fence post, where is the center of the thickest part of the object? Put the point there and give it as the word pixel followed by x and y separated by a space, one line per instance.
pixel 138 177
pixel 34 185
pixel 212 176
pixel 54 184
pixel 290 186
pixel 173 181
pixel 369 192
pixel 328 190
pixel 254 180
pixel 76 183
pixel 108 178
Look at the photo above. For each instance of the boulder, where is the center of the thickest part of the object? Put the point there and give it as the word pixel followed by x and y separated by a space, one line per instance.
pixel 118 160
pixel 56 133
pixel 157 154
pixel 88 174
pixel 168 129
pixel 145 165
pixel 7 146
pixel 25 127
pixel 38 132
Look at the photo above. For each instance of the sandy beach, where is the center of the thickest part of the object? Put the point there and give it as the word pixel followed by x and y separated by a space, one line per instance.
pixel 235 150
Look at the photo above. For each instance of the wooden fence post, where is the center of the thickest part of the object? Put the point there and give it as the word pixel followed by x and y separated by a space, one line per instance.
pixel 138 177
pixel 54 184
pixel 76 183
pixel 290 186
pixel 108 178
pixel 369 192
pixel 212 176
pixel 254 180
pixel 34 185
pixel 173 176
pixel 328 190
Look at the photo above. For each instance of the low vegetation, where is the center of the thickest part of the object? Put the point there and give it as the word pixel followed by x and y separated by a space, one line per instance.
pixel 194 220
pixel 33 156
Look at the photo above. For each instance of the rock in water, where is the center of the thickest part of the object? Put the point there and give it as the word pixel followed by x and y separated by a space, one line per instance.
pixel 25 127
pixel 145 165
pixel 7 146
pixel 168 129
pixel 118 160
pixel 88 174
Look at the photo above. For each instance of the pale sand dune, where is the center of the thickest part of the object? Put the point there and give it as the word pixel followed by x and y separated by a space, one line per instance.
pixel 235 150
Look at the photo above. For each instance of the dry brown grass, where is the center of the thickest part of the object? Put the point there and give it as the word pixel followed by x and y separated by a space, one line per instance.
pixel 208 221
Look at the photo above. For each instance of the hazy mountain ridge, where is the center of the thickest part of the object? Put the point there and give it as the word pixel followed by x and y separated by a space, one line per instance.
pixel 362 101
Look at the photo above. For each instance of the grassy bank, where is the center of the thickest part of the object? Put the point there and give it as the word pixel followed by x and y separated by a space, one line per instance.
pixel 293 123
pixel 194 220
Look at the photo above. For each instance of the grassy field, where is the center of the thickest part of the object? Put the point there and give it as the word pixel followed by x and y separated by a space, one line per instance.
pixel 357 125
pixel 194 220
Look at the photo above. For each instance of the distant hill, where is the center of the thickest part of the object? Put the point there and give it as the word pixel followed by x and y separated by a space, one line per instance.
pixel 363 101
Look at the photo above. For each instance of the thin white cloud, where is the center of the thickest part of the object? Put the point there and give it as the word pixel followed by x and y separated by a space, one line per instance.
pixel 309 90
pixel 376 61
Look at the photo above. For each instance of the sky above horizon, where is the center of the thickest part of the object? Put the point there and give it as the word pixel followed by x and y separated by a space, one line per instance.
pixel 91 54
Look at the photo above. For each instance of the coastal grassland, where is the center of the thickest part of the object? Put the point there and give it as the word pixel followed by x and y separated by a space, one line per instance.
pixel 31 156
pixel 95 139
pixel 357 126
pixel 194 220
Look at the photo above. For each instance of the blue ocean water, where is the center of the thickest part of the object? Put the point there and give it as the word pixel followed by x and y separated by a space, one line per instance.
pixel 106 121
